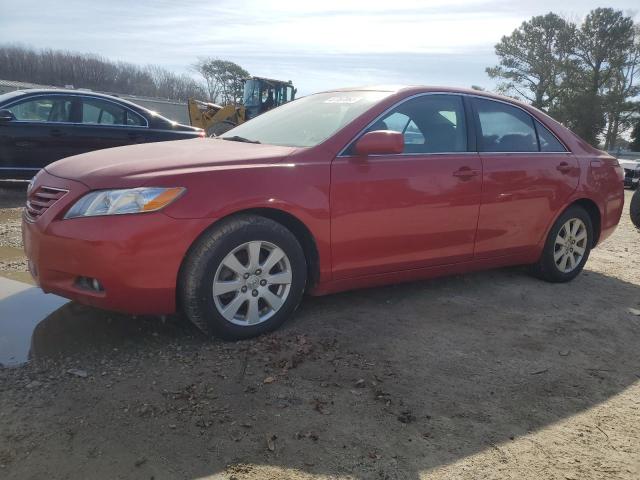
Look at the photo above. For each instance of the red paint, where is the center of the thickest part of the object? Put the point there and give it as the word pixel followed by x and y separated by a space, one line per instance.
pixel 375 219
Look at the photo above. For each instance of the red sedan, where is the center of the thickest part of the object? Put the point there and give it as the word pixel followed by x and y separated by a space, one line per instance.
pixel 334 191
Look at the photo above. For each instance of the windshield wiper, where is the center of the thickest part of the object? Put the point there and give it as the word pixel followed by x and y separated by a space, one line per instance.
pixel 236 138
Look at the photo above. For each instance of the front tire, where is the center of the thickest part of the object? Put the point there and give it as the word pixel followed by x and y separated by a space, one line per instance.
pixel 243 278
pixel 567 247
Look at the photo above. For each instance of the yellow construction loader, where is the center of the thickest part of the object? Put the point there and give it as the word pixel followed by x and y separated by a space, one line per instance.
pixel 260 95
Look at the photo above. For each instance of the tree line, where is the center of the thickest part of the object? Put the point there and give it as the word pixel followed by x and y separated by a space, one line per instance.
pixel 584 75
pixel 61 68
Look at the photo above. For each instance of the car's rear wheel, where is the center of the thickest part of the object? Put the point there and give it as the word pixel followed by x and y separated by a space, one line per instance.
pixel 567 247
pixel 243 278
pixel 634 208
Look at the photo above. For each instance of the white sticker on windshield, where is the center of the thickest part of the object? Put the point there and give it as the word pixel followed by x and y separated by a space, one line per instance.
pixel 343 100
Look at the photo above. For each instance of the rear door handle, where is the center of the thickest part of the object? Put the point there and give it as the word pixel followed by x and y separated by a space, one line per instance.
pixel 56 132
pixel 136 137
pixel 564 167
pixel 465 173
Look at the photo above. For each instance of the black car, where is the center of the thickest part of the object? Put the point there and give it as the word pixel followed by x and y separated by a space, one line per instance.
pixel 38 127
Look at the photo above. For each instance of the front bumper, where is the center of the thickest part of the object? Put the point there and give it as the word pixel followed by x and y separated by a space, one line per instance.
pixel 136 258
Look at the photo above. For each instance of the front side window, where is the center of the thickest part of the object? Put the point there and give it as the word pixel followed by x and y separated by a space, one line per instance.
pixel 308 121
pixel 43 109
pixel 429 123
pixel 504 128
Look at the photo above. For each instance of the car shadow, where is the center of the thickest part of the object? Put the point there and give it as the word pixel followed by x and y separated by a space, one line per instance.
pixel 388 382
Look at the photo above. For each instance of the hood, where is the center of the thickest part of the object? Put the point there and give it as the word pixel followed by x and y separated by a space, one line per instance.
pixel 136 164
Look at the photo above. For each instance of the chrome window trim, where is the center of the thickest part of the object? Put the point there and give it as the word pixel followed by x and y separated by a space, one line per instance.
pixel 527 153
pixel 80 96
pixel 412 154
pixel 342 153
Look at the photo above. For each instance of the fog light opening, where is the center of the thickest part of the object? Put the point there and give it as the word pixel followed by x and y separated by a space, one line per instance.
pixel 88 283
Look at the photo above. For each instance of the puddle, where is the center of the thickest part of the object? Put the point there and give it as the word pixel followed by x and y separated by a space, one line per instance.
pixel 36 325
pixel 22 307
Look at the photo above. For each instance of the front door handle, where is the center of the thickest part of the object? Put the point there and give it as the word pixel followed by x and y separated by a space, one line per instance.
pixel 564 167
pixel 465 173
pixel 56 132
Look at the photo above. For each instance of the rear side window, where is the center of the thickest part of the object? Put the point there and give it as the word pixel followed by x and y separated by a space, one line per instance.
pixel 548 141
pixel 43 109
pixel 102 112
pixel 429 123
pixel 504 128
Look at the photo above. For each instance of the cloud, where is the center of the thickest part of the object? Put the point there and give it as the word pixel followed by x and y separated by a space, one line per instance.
pixel 315 44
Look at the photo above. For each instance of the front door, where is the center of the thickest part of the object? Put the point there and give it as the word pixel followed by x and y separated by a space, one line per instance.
pixel 40 133
pixel 411 210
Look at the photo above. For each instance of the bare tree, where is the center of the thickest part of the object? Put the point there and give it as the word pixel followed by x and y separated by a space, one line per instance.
pixel 61 68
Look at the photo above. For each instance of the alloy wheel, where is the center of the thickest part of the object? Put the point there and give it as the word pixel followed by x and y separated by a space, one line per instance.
pixel 252 283
pixel 570 245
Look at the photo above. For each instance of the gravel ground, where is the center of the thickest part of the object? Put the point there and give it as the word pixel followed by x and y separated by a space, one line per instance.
pixel 493 375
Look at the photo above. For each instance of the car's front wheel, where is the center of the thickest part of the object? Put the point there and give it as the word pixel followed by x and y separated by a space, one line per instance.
pixel 243 278
pixel 567 247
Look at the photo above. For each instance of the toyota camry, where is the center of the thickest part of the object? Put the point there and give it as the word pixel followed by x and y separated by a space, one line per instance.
pixel 338 190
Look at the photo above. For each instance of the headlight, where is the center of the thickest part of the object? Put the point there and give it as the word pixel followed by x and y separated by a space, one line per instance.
pixel 119 202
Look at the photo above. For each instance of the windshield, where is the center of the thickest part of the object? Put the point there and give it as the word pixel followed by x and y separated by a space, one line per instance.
pixel 308 121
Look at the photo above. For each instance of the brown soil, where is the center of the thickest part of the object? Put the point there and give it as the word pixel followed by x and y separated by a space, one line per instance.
pixel 490 375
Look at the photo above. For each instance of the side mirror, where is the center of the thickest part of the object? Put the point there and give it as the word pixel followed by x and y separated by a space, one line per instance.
pixel 380 142
pixel 6 116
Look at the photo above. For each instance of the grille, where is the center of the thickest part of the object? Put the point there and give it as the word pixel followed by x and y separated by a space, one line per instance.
pixel 41 199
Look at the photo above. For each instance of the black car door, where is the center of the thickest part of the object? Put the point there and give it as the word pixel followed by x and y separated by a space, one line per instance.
pixel 39 134
pixel 106 124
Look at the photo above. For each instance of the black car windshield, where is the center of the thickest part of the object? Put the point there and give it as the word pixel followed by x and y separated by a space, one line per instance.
pixel 308 121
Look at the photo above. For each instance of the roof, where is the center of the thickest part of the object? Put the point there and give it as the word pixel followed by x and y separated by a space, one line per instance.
pixel 47 88
pixel 416 89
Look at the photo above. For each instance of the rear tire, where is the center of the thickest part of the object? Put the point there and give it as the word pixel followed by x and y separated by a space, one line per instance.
pixel 243 278
pixel 634 208
pixel 567 247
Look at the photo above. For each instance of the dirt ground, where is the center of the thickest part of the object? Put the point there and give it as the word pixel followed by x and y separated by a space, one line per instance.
pixel 494 375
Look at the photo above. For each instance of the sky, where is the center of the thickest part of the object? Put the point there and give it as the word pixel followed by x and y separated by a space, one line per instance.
pixel 317 45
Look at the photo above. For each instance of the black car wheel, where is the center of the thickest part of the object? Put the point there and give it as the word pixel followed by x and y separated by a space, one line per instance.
pixel 567 247
pixel 243 278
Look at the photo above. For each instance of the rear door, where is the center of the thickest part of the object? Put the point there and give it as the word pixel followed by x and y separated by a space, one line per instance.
pixel 527 176
pixel 106 124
